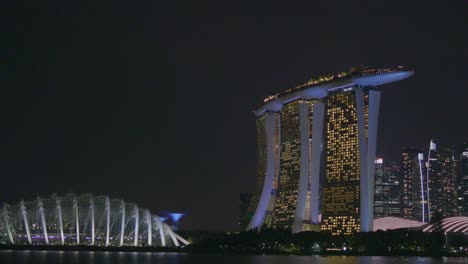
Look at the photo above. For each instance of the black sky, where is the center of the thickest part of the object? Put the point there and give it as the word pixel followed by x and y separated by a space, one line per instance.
pixel 151 101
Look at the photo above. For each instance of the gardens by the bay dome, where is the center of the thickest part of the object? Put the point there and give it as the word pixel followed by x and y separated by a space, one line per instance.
pixel 84 220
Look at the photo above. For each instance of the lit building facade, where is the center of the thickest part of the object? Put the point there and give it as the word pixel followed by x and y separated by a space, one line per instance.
pixel 463 182
pixel 450 165
pixel 435 181
pixel 387 190
pixel 414 185
pixel 347 200
pixel 442 174
pixel 316 150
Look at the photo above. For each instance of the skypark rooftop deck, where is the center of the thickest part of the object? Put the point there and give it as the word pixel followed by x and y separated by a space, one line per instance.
pixel 317 88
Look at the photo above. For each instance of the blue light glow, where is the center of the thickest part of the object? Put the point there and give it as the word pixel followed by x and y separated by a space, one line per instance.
pixel 176 216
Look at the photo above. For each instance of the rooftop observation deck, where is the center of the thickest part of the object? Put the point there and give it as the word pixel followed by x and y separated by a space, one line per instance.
pixel 319 87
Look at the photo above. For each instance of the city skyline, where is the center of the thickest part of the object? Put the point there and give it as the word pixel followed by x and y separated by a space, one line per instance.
pixel 153 102
pixel 420 187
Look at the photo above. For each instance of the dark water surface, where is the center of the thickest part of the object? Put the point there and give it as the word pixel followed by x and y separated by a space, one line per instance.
pixel 75 257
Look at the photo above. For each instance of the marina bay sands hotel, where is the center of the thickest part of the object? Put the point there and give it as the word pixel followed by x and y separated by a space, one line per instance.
pixel 316 152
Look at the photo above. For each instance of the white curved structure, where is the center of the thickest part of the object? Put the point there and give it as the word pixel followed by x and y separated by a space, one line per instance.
pixel 391 223
pixel 450 224
pixel 84 220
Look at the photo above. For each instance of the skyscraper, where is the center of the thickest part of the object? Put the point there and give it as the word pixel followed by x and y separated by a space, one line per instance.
pixel 387 189
pixel 414 185
pixel 322 131
pixel 442 172
pixel 450 165
pixel 463 182
pixel 435 185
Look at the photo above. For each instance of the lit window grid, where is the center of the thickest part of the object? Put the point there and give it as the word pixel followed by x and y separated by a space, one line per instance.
pixel 341 195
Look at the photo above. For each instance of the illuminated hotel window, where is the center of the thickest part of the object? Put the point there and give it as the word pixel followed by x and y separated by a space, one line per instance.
pixel 341 186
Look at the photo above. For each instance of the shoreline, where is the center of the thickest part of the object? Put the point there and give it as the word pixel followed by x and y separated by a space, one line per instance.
pixel 90 248
pixel 56 248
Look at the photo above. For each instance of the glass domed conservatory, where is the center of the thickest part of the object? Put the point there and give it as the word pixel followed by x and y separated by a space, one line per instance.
pixel 84 220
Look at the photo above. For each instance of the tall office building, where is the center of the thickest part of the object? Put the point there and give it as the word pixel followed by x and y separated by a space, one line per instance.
pixel 387 189
pixel 463 182
pixel 323 131
pixel 414 185
pixel 450 165
pixel 435 185
pixel 442 172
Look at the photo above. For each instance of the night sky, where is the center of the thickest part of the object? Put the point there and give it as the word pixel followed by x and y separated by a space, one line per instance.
pixel 152 101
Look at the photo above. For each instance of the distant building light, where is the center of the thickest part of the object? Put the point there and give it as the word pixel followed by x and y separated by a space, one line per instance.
pixel 379 161
pixel 432 145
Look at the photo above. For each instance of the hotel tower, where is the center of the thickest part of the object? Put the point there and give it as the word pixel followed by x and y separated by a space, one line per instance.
pixel 316 151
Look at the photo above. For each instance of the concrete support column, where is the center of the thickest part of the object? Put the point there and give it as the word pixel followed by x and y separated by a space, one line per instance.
pixel 259 215
pixel 364 173
pixel 171 234
pixel 318 118
pixel 185 242
pixel 304 128
pixel 161 232
pixel 77 219
pixel 91 212
pixel 25 220
pixel 150 227
pixel 373 123
pixel 122 224
pixel 60 219
pixel 40 207
pixel 108 212
pixel 136 214
pixel 6 217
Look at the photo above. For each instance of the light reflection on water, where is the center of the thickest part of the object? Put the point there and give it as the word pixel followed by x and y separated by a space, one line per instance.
pixel 76 257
